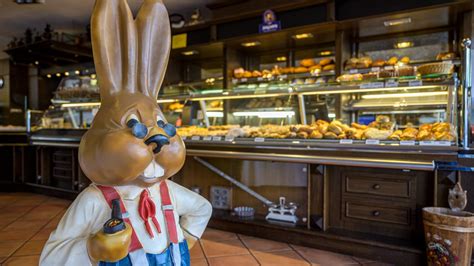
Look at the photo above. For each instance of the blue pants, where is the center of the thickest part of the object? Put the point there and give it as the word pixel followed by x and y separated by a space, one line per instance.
pixel 163 259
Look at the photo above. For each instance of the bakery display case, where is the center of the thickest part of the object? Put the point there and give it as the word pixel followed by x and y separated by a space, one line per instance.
pixel 330 132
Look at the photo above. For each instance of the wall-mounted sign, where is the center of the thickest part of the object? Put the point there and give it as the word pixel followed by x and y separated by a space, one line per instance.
pixel 269 22
pixel 179 41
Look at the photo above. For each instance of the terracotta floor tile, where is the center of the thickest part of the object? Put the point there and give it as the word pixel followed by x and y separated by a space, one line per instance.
pixel 8 247
pixel 23 261
pixel 218 235
pixel 31 248
pixel 23 225
pixel 376 263
pixel 247 260
pixel 280 258
pixel 259 244
pixel 54 222
pixel 196 252
pixel 43 234
pixel 199 262
pixel 223 248
pixel 20 235
pixel 362 260
pixel 323 258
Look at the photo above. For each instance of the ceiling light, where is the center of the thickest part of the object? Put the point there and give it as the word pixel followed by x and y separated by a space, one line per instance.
pixel 250 44
pixel 36 63
pixel 401 45
pixel 48 76
pixel 268 114
pixel 188 53
pixel 324 53
pixel 77 72
pixel 93 76
pixel 396 22
pixel 58 74
pixel 281 59
pixel 66 74
pixel 303 36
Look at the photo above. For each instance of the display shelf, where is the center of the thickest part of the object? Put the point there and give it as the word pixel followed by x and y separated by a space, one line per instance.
pixel 283 78
pixel 455 61
pixel 324 143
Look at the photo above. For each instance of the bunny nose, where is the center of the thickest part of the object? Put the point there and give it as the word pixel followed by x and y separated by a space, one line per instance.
pixel 160 141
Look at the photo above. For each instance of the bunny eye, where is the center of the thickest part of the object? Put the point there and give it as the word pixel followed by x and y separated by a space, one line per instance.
pixel 132 121
pixel 169 129
pixel 139 130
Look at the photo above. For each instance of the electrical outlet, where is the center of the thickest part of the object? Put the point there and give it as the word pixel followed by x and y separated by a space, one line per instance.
pixel 221 197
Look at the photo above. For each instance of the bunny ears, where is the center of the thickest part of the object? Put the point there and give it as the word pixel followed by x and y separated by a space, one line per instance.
pixel 130 55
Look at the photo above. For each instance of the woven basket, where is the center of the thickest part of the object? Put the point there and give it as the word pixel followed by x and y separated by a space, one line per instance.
pixel 435 68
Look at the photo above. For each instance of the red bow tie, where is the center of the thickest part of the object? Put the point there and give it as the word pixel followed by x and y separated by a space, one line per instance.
pixel 147 210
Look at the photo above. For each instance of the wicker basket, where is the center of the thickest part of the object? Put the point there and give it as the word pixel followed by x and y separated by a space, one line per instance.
pixel 435 68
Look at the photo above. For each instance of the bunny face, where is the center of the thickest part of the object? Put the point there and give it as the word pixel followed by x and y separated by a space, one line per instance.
pixel 122 156
pixel 129 140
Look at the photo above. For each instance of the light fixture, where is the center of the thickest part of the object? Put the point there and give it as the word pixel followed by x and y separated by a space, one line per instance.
pixel 48 76
pixel 405 95
pixel 250 44
pixel 77 72
pixel 64 105
pixel 21 2
pixel 66 74
pixel 2 82
pixel 396 22
pixel 58 74
pixel 401 45
pixel 36 63
pixel 215 114
pixel 268 114
pixel 302 36
pixel 188 53
pixel 281 59
pixel 324 53
pixel 93 76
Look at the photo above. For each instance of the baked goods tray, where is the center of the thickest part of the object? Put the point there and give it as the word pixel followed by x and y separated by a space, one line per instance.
pixel 322 143
pixel 283 77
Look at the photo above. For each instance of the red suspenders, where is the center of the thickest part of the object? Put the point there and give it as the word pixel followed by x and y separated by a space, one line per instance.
pixel 110 194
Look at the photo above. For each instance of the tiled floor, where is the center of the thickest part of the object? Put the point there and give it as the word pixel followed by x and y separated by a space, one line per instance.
pixel 26 221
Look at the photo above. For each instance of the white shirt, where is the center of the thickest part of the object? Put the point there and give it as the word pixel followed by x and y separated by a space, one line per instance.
pixel 88 213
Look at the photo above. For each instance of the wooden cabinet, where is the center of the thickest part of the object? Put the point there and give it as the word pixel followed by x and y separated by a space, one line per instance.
pixel 381 202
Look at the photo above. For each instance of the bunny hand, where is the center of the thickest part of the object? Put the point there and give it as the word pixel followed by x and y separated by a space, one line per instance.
pixel 109 247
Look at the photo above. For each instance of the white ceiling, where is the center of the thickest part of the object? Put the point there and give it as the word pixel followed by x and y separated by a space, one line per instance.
pixel 68 15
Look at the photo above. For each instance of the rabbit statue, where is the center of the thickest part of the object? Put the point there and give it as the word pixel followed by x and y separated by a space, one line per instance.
pixel 457 198
pixel 129 153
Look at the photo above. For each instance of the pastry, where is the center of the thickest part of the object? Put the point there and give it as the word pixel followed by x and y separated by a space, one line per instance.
pixel 326 61
pixel 370 76
pixel 315 69
pixel 335 127
pixel 329 67
pixel 374 133
pixel 425 135
pixel 302 135
pixel 256 74
pixel 315 134
pixel 364 62
pixel 307 62
pixel 392 61
pixel 300 70
pixel 405 70
pixel 351 63
pixel 445 136
pixel 378 63
pixel 405 60
pixel 446 56
pixel 443 68
pixel 409 133
pixel 239 72
pixel 359 126
pixel 330 135
pixel 310 81
pixel 247 74
pixel 396 135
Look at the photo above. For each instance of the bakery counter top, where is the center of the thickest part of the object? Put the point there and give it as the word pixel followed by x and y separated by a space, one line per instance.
pixel 379 154
pixel 13 138
pixel 57 137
